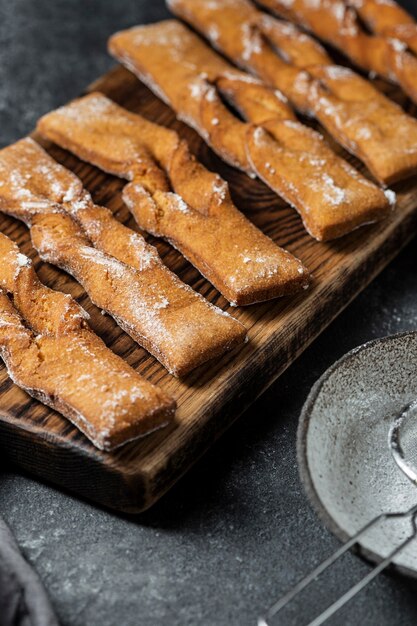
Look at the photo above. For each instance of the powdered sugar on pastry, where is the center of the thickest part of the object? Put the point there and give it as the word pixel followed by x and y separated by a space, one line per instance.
pixel 121 273
pixel 367 32
pixel 235 141
pixel 50 352
pixel 356 114
pixel 186 204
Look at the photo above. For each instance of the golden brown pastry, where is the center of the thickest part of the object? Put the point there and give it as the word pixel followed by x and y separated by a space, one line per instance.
pixel 357 115
pixel 387 18
pixel 197 216
pixel 50 352
pixel 292 159
pixel 337 23
pixel 179 327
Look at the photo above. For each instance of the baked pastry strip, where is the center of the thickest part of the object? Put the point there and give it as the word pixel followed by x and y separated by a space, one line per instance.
pixel 172 195
pixel 51 352
pixel 388 19
pixel 337 23
pixel 355 113
pixel 293 160
pixel 178 326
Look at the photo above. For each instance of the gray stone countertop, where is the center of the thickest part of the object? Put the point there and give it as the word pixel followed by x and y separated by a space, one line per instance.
pixel 238 529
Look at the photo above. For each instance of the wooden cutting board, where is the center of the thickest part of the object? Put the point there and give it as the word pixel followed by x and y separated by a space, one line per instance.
pixel 209 400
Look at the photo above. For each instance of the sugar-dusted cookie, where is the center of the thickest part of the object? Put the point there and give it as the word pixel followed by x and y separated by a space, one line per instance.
pixel 387 18
pixel 331 196
pixel 172 195
pixel 175 324
pixel 51 352
pixel 355 113
pixel 338 23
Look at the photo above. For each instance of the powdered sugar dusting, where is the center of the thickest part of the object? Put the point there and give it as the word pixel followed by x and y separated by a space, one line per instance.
pixel 332 192
pixel 22 260
pixel 34 179
pixel 391 196
pixel 177 203
pixel 146 254
pixel 251 42
pixel 398 46
pixel 338 72
pixel 197 88
pixel 79 204
pixel 162 303
pixel 220 189
pixel 17 261
pixel 112 265
pixel 213 33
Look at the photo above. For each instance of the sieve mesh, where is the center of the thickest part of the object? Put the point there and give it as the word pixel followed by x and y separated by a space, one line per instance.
pixel 403 441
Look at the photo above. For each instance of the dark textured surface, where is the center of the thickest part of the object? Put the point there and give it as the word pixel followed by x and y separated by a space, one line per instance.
pixel 238 529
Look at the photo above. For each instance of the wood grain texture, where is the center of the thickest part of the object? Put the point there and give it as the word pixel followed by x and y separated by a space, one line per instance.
pixel 45 444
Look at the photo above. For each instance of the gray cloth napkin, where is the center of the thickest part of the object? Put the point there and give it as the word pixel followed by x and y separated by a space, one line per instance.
pixel 23 601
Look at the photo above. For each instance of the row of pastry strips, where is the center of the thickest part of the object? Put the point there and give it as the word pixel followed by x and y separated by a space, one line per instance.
pixel 387 19
pixel 378 36
pixel 331 196
pixel 51 352
pixel 44 339
pixel 123 274
pixel 171 195
pixel 149 199
pixel 116 251
pixel 358 116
